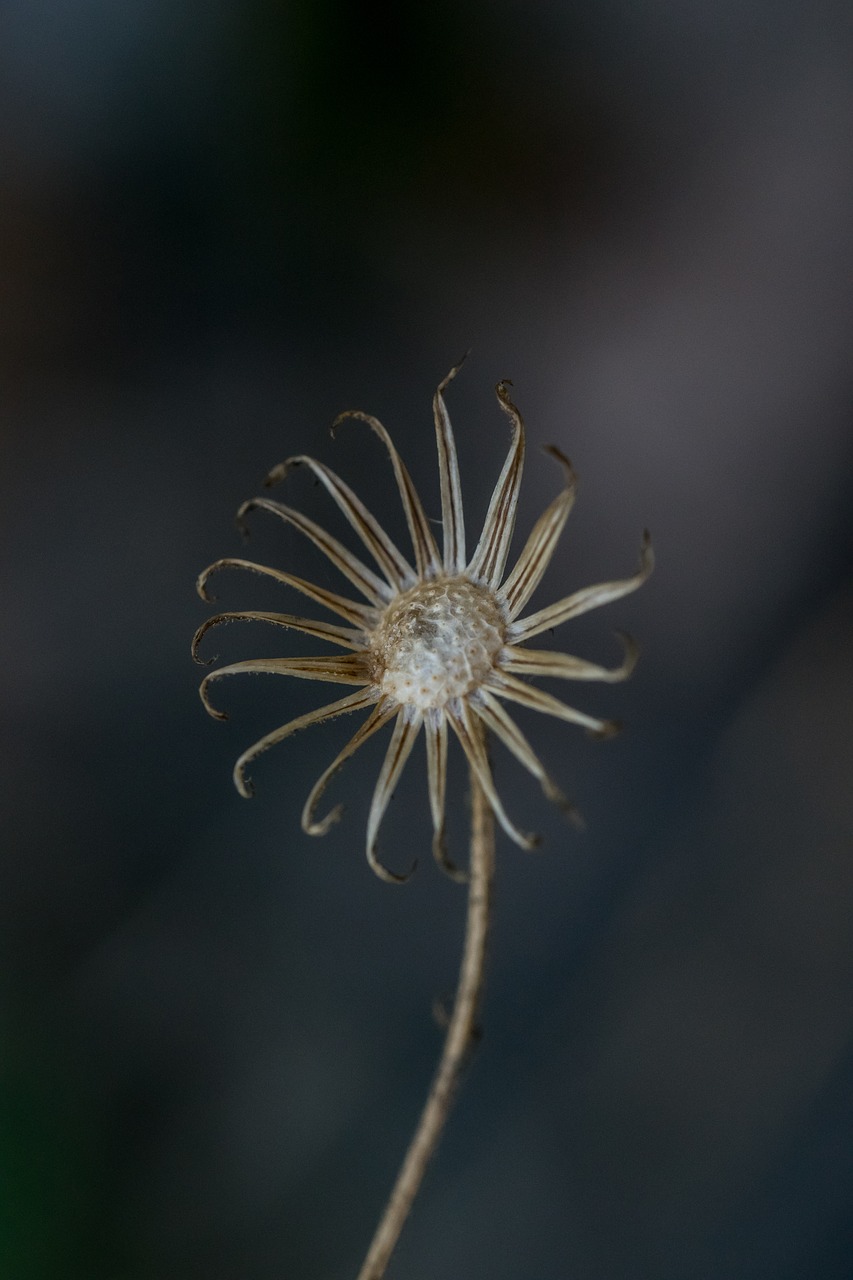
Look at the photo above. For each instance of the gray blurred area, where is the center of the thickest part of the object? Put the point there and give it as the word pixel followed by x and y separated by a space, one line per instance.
pixel 221 224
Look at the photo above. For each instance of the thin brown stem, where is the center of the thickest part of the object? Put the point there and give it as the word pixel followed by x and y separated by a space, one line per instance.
pixel 461 1032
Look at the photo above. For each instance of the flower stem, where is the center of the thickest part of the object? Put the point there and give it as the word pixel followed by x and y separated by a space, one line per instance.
pixel 461 1032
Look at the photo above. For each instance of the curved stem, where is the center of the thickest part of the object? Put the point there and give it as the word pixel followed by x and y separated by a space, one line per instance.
pixel 460 1034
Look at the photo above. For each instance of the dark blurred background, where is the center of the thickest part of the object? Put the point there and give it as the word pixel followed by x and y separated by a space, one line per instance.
pixel 221 223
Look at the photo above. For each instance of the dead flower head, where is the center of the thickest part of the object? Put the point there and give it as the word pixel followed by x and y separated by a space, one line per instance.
pixel 438 646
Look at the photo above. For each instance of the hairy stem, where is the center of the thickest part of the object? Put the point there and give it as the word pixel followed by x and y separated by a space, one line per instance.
pixel 461 1031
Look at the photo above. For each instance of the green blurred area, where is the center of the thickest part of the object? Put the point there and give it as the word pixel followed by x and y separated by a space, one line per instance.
pixel 54 1197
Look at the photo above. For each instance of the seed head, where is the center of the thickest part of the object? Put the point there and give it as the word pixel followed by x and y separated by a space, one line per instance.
pixel 439 644
pixel 436 642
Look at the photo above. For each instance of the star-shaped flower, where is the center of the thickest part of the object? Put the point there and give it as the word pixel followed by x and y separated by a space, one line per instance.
pixel 439 645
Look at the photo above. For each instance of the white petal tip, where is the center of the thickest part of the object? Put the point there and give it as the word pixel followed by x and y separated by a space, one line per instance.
pixel 244 785
pixel 325 824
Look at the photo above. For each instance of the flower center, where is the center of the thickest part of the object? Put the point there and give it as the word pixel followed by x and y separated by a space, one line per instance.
pixel 437 641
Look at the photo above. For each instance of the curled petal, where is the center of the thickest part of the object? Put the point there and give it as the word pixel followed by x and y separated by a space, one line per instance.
pixel 346 669
pixel 540 546
pixel 470 736
pixel 377 718
pixel 360 614
pixel 390 561
pixel 344 636
pixel 493 548
pixel 427 558
pixel 584 600
pixel 436 742
pixel 352 702
pixel 542 662
pixel 367 582
pixel 399 749
pixel 505 685
pixel 495 717
pixel 452 513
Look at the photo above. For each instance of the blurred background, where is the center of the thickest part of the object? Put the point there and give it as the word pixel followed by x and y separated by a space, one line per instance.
pixel 221 224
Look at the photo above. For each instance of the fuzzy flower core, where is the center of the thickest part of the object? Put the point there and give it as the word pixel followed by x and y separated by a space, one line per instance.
pixel 437 642
pixel 438 645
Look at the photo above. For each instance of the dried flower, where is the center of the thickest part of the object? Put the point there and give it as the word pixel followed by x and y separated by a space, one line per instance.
pixel 439 645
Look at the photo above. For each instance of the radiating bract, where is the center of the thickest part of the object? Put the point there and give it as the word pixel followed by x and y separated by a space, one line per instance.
pixel 437 645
